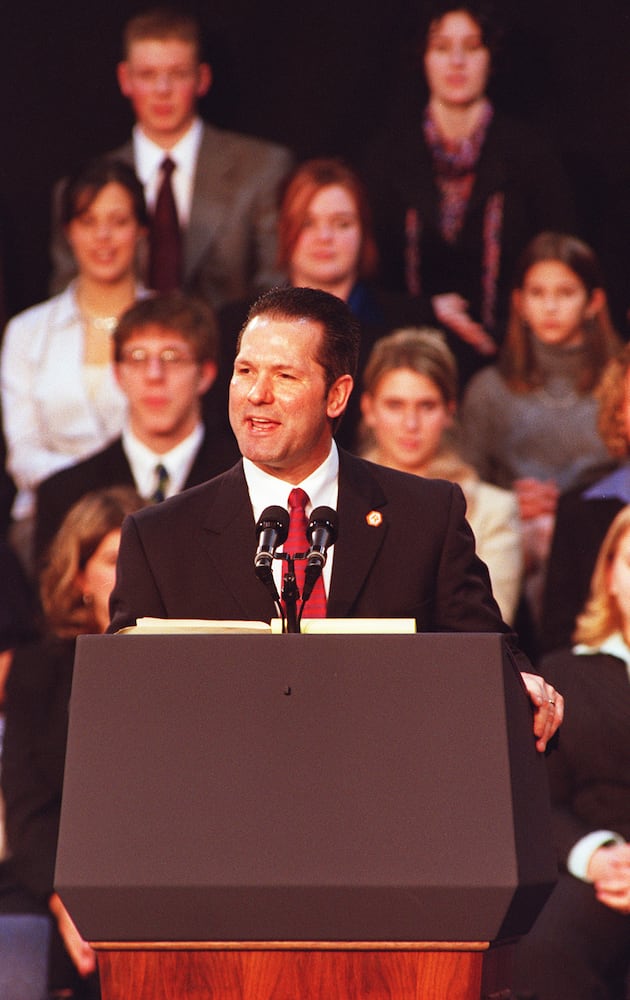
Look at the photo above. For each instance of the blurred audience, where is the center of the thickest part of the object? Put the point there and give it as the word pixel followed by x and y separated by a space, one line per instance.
pixel 60 399
pixel 579 947
pixel 530 421
pixel 166 358
pixel 212 194
pixel 458 188
pixel 409 406
pixel 75 588
pixel 585 512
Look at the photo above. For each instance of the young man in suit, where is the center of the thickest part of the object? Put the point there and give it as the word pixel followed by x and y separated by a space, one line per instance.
pixel 166 351
pixel 404 548
pixel 224 185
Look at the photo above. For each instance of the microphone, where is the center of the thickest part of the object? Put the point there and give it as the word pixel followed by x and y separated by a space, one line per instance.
pixel 321 532
pixel 271 531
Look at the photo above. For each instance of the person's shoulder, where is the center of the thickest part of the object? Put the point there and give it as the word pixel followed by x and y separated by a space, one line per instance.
pixel 584 497
pixel 502 500
pixel 576 673
pixel 519 141
pixel 488 382
pixel 124 152
pixel 37 665
pixel 243 144
pixel 82 473
pixel 511 129
pixel 191 503
pixel 393 482
pixel 41 313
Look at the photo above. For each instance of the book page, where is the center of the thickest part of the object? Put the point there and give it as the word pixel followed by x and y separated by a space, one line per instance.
pixel 187 626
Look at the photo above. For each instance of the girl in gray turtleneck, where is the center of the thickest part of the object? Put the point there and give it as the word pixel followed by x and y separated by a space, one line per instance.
pixel 529 422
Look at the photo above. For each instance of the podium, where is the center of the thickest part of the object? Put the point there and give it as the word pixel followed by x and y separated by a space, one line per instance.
pixel 292 816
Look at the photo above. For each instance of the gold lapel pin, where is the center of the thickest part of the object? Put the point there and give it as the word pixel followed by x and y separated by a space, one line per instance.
pixel 374 518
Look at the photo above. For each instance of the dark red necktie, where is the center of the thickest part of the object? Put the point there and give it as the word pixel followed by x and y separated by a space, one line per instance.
pixel 165 264
pixel 297 542
pixel 162 478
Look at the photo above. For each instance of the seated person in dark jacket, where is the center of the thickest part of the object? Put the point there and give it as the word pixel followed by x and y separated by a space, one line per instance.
pixel 585 512
pixel 166 358
pixel 75 588
pixel 579 947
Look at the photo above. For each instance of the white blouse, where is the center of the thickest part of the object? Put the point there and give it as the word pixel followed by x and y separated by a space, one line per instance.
pixel 52 418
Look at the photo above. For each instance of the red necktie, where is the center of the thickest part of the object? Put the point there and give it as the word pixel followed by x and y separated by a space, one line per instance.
pixel 297 542
pixel 165 266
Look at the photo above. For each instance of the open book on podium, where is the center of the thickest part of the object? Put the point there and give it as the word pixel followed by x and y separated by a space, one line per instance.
pixel 314 626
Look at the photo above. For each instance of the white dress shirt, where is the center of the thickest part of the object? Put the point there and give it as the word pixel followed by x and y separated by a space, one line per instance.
pixel 148 159
pixel 177 462
pixel 322 487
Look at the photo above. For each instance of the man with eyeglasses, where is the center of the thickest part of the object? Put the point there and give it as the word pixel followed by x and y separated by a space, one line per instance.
pixel 166 358
pixel 212 193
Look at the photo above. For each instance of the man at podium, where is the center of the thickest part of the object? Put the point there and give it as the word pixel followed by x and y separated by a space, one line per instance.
pixel 403 545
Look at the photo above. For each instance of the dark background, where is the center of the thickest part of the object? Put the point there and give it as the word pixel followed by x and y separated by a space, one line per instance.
pixel 318 77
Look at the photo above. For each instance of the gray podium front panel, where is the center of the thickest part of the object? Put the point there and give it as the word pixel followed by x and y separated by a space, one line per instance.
pixel 302 788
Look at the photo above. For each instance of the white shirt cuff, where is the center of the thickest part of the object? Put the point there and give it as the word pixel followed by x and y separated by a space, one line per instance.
pixel 582 852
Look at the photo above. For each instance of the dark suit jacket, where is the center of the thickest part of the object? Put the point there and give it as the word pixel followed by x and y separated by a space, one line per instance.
pixel 230 240
pixel 590 770
pixel 581 527
pixel 110 467
pixel 38 692
pixel 193 557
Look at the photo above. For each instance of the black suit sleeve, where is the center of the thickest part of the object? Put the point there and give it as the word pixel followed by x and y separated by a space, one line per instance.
pixel 38 692
pixel 133 577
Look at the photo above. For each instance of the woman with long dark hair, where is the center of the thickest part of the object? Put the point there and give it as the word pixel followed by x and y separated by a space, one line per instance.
pixel 60 399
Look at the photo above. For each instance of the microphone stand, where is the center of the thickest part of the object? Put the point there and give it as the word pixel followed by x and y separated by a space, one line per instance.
pixel 265 575
pixel 290 595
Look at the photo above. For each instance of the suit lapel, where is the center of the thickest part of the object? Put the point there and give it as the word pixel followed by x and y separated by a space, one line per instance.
pixel 362 532
pixel 208 199
pixel 229 540
pixel 116 465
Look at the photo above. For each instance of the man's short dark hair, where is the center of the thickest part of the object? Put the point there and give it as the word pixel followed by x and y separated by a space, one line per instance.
pixel 339 350
pixel 173 311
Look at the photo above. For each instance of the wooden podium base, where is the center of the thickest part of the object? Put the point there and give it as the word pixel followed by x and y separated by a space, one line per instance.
pixel 305 971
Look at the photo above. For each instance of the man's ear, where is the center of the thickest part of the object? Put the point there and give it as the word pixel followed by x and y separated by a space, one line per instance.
pixel 122 75
pixel 338 396
pixel 596 302
pixel 208 371
pixel 517 301
pixel 204 78
pixel 367 408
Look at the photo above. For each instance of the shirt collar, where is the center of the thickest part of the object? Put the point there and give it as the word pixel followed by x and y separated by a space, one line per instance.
pixel 148 156
pixel 177 462
pixel 321 485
